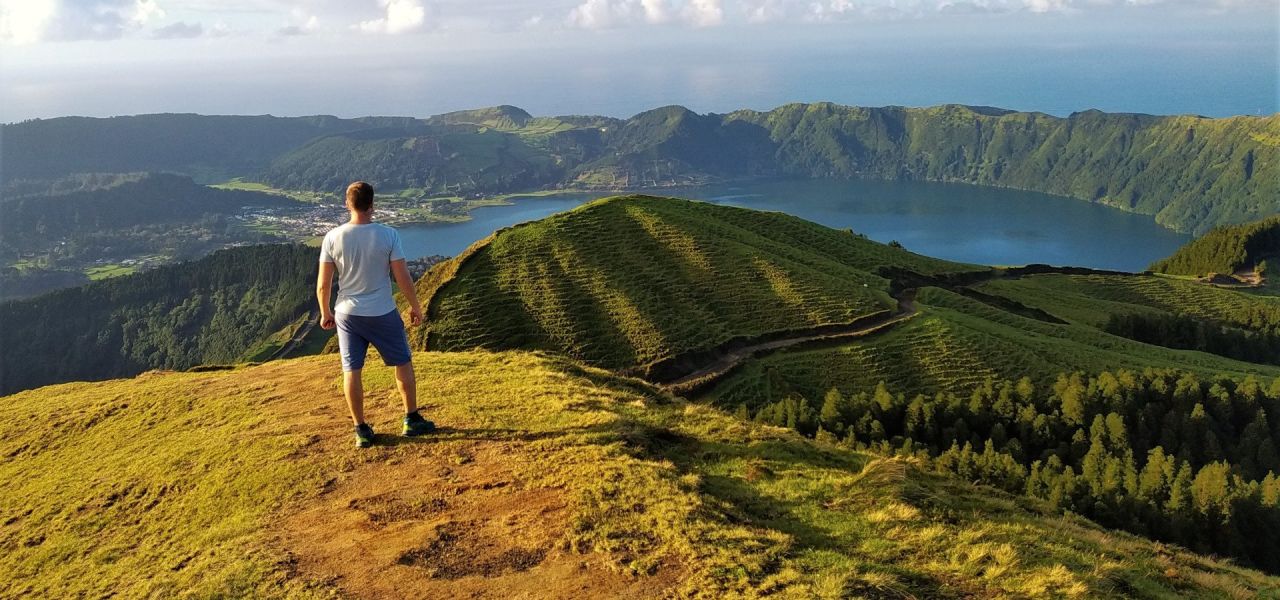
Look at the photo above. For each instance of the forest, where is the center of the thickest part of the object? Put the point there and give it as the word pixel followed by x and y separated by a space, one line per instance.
pixel 1161 453
pixel 1226 250
pixel 173 317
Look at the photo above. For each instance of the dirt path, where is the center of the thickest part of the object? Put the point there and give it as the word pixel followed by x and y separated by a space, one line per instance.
pixel 442 516
pixel 712 372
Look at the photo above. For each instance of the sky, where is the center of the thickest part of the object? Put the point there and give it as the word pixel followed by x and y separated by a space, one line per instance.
pixel 618 57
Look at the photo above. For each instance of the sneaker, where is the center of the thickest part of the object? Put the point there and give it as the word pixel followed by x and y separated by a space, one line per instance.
pixel 364 436
pixel 415 425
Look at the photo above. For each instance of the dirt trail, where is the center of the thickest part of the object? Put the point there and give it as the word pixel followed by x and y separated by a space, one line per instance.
pixel 434 517
pixel 903 287
pixel 712 372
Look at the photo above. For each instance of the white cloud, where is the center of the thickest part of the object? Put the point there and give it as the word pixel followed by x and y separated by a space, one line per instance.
pixel 765 11
pixel 179 30
pixel 24 21
pixel 600 14
pixel 604 14
pixel 704 13
pixel 1043 6
pixel 402 16
pixel 656 11
pixel 146 10
pixel 305 24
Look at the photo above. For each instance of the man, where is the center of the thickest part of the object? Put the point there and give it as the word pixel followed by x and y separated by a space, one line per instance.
pixel 361 252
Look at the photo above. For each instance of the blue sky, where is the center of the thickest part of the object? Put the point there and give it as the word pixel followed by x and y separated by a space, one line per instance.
pixel 420 57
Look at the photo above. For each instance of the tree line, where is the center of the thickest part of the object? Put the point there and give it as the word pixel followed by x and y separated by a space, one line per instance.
pixel 1161 453
pixel 173 317
pixel 1226 249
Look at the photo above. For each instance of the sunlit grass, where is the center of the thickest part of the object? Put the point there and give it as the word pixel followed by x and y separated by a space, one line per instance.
pixel 169 485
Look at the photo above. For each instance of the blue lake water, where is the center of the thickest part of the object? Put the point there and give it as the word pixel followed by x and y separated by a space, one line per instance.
pixel 953 221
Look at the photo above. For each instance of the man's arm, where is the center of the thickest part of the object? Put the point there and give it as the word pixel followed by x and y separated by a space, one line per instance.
pixel 400 271
pixel 324 289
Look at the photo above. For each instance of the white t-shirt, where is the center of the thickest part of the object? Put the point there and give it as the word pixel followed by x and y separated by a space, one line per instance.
pixel 362 255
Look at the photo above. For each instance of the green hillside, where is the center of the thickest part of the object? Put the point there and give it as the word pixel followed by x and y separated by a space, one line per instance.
pixel 634 280
pixel 548 480
pixel 207 147
pixel 122 202
pixel 958 343
pixel 212 310
pixel 65 232
pixel 732 305
pixel 1226 250
pixel 1190 173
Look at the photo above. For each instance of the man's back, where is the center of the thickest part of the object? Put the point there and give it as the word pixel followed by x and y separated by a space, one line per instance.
pixel 362 254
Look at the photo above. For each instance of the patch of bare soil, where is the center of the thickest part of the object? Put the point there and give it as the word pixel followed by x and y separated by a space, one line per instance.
pixel 434 517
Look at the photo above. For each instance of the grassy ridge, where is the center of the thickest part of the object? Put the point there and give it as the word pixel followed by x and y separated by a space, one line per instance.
pixel 1092 299
pixel 631 280
pixel 143 468
pixel 957 344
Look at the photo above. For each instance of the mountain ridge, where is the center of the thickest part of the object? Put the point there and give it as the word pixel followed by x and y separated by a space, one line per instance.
pixel 1189 172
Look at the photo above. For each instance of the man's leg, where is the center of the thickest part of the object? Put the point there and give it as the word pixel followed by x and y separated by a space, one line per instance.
pixel 407 383
pixel 353 386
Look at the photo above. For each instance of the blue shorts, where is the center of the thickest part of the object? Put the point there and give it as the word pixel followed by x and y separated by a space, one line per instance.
pixel 385 332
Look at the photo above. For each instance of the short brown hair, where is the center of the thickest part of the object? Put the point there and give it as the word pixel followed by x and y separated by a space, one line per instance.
pixel 360 196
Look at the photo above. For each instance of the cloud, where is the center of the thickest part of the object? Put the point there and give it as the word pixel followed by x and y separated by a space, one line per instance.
pixel 30 21
pixel 605 14
pixel 146 10
pixel 310 25
pixel 179 30
pixel 402 16
pixel 704 13
pixel 656 11
pixel 24 21
pixel 1043 6
pixel 600 14
pixel 765 11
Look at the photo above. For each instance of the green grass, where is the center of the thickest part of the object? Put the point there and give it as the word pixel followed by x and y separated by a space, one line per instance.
pixel 239 183
pixel 1092 299
pixel 271 344
pixel 958 343
pixel 171 485
pixel 98 272
pixel 631 280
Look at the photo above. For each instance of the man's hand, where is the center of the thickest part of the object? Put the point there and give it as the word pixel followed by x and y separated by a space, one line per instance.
pixel 415 316
pixel 326 321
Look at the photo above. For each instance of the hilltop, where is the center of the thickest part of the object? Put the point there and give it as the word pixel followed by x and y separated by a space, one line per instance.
pixel 1226 250
pixel 1190 173
pixel 642 282
pixel 549 479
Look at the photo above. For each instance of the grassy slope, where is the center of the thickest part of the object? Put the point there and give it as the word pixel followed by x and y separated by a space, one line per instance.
pixel 631 280
pixel 957 343
pixel 1092 299
pixel 183 483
